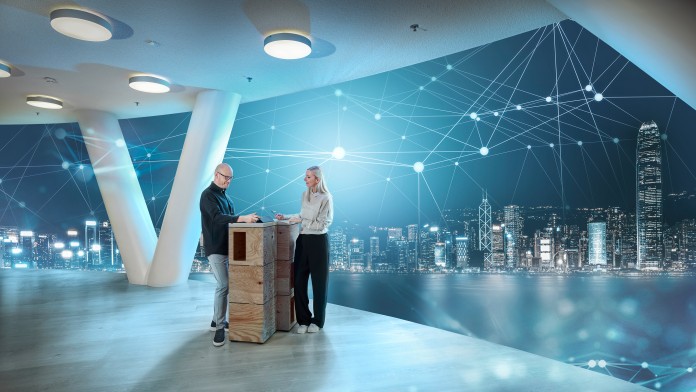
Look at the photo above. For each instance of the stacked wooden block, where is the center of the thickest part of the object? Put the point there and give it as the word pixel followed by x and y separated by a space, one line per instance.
pixel 286 234
pixel 252 307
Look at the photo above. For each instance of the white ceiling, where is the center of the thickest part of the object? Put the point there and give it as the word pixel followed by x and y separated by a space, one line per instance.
pixel 217 44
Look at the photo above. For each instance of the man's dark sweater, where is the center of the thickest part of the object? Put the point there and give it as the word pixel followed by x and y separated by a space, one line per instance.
pixel 217 211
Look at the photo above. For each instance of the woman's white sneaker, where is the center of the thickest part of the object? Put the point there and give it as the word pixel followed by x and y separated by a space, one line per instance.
pixel 302 329
pixel 313 328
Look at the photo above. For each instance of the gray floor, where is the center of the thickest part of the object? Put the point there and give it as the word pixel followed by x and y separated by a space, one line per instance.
pixel 89 331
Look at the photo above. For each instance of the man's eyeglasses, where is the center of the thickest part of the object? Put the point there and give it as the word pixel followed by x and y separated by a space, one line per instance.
pixel 226 178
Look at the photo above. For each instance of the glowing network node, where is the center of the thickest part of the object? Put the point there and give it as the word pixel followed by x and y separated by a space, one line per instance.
pixel 272 127
pixel 338 92
pixel 149 155
pixel 378 116
pixel 663 136
pixel 60 133
pixel 548 99
pixel 579 142
pixel 268 170
pixel 338 153
pixel 120 142
pixel 518 107
pixel 483 151
pixel 591 363
pixel 622 359
pixel 22 204
pixel 449 67
pixel 418 167
pixel 403 137
pixel 496 114
pixel 421 88
pixel 690 369
pixel 433 78
pixel 644 365
pixel 65 165
pixel 616 140
pixel 551 145
pixel 473 115
pixel 588 87
pixel 529 146
pixel 598 97
pixel 152 198
pixel 456 163
pixel 478 118
pixel 602 363
pixel 658 385
pixel 81 167
pixel 388 179
pixel 345 108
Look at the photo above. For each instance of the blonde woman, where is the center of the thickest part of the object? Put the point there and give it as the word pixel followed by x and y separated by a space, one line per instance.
pixel 312 251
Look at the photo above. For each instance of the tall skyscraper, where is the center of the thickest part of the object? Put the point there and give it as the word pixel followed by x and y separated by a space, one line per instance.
pixel 485 233
pixel 649 197
pixel 597 246
pixel 513 234
pixel 497 247
pixel 462 251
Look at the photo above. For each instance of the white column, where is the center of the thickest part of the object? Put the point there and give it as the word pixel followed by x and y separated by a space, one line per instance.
pixel 120 190
pixel 206 141
pixel 656 36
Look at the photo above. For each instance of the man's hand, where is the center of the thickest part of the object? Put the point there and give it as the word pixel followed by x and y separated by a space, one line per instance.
pixel 251 218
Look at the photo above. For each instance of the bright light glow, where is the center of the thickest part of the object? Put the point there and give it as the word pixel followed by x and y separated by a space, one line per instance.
pixel 82 252
pixel 496 114
pixel 74 244
pixel 388 179
pixel 434 229
pixel 378 116
pixel 456 163
pixel 616 140
pixel 21 265
pixel 26 233
pixel 403 137
pixel 338 92
pixel 551 145
pixel 483 151
pixel 548 99
pixel 44 102
pixel 96 247
pixel 449 67
pixel 418 167
pixel 579 142
pixel 518 107
pixel 66 254
pixel 529 146
pixel 90 223
pixel 16 251
pixel 287 46
pixel 80 24
pixel 120 143
pixel 433 79
pixel 591 363
pixel 473 115
pixel 59 245
pixel 644 365
pixel 602 363
pixel 149 84
pixel 338 153
pixel 598 97
pixel 72 233
pixel 421 88
pixel 65 165
pixel 588 87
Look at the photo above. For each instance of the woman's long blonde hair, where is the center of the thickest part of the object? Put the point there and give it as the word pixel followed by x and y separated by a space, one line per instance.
pixel 321 187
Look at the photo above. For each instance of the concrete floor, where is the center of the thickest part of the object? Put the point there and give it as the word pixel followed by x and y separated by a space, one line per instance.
pixel 88 331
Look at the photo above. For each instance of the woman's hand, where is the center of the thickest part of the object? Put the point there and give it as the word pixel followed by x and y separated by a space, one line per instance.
pixel 295 219
pixel 280 216
pixel 251 218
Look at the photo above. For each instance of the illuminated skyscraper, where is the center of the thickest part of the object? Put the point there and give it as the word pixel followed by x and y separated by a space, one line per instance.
pixel 439 250
pixel 597 246
pixel 485 234
pixel 462 249
pixel 513 234
pixel 649 197
pixel 497 247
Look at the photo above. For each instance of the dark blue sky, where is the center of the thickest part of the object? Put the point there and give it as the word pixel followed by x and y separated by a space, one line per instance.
pixel 440 113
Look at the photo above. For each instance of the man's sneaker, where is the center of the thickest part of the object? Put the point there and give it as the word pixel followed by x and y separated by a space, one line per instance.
pixel 313 328
pixel 302 329
pixel 219 338
pixel 214 328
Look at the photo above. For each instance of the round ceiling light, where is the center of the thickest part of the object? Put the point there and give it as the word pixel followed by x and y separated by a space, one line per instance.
pixel 149 84
pixel 44 102
pixel 287 46
pixel 81 24
pixel 5 70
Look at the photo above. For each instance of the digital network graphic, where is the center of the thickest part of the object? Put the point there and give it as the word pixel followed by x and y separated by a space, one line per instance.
pixel 549 117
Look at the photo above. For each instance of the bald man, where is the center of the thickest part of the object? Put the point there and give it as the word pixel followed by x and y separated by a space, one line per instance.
pixel 217 211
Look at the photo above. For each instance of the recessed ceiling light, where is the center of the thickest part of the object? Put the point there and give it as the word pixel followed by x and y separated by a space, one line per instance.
pixel 81 24
pixel 287 46
pixel 148 84
pixel 45 102
pixel 5 70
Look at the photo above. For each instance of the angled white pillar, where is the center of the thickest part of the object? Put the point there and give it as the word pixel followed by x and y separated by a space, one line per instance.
pixel 656 36
pixel 120 190
pixel 204 147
